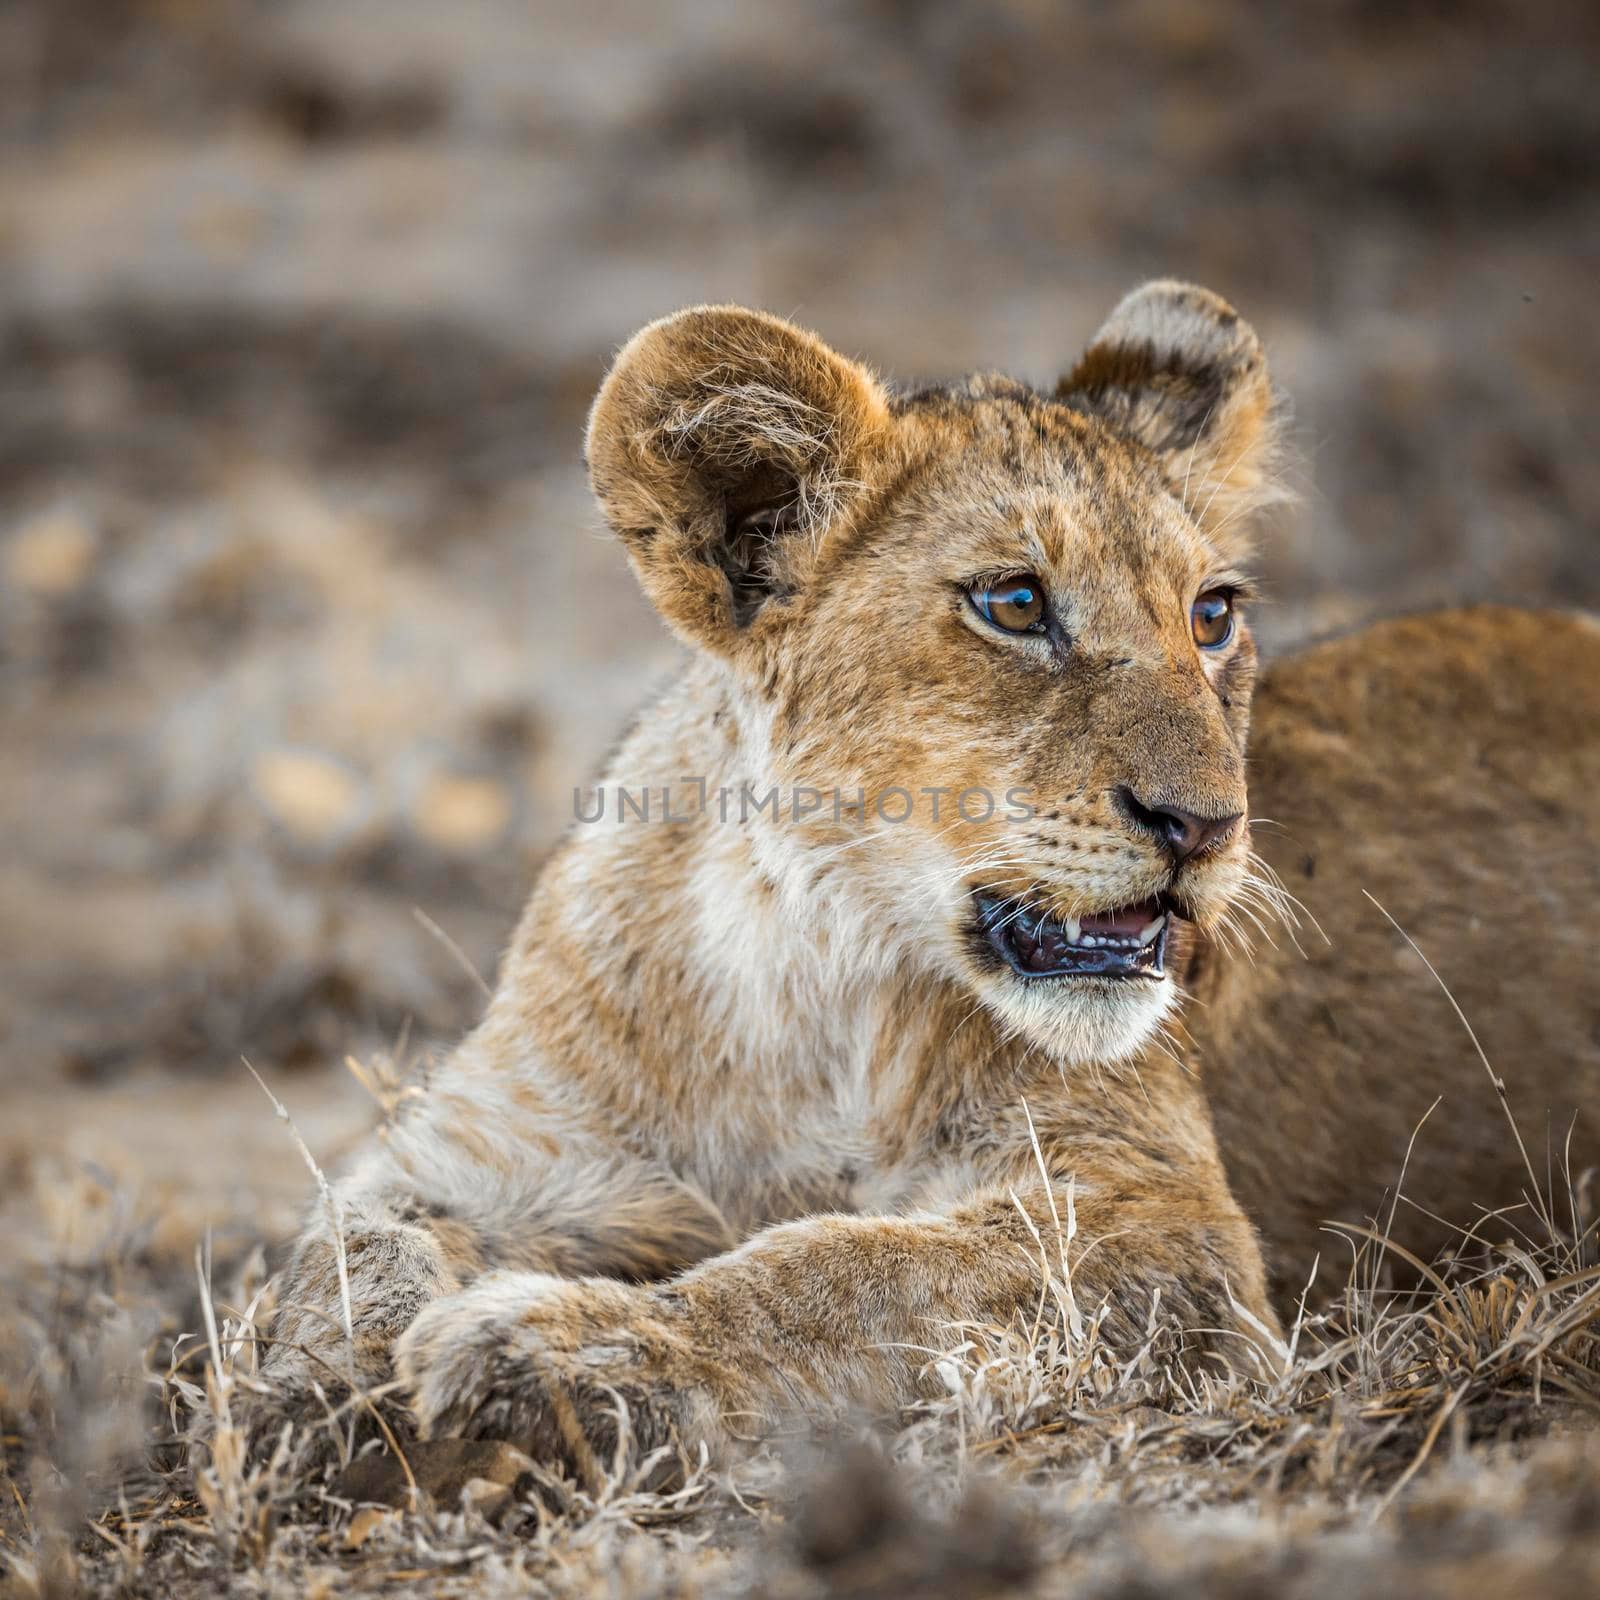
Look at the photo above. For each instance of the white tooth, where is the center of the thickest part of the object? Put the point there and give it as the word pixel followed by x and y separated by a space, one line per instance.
pixel 1074 929
pixel 1151 929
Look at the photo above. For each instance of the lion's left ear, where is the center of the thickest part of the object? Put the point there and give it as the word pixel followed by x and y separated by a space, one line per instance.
pixel 1176 368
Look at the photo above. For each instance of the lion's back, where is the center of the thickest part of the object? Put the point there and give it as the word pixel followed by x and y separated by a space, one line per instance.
pixel 1448 766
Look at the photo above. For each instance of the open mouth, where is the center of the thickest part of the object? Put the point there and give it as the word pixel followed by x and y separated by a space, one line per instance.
pixel 1130 942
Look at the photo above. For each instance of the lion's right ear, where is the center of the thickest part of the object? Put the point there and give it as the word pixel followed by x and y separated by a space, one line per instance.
pixel 723 444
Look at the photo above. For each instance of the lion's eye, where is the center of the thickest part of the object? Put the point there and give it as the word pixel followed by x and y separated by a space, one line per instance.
pixel 1211 619
pixel 1016 605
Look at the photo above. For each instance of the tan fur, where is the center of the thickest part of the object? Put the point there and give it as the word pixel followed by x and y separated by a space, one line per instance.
pixel 752 1120
pixel 1449 766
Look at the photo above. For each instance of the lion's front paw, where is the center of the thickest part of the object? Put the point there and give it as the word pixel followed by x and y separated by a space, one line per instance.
pixel 568 1370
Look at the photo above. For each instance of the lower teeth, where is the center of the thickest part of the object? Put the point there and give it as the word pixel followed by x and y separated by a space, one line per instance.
pixel 1051 942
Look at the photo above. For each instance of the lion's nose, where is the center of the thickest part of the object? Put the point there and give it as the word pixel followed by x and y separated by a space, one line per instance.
pixel 1182 833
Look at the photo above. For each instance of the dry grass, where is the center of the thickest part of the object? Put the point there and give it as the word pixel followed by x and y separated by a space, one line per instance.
pixel 1431 1410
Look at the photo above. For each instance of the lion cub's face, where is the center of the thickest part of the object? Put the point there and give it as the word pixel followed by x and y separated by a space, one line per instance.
pixel 1001 634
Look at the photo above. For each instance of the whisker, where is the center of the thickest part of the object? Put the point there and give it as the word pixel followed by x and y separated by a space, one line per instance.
pixel 1277 884
pixel 1250 896
pixel 1240 906
pixel 1205 422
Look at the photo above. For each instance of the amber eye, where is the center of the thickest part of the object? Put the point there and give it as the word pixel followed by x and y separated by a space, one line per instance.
pixel 1017 605
pixel 1211 619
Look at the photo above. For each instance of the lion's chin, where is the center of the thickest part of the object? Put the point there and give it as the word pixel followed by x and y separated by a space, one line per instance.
pixel 1083 1021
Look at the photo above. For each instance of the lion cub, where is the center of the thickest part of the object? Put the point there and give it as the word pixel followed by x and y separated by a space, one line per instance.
pixel 795 1059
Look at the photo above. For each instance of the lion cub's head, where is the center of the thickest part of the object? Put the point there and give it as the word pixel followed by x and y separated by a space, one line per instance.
pixel 1001 633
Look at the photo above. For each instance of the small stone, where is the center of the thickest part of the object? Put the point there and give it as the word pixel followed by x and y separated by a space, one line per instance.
pixel 311 795
pixel 485 1497
pixel 364 1524
pixel 462 814
pixel 52 555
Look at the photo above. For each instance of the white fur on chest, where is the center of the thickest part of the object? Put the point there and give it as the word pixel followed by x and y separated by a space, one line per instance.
pixel 793 1034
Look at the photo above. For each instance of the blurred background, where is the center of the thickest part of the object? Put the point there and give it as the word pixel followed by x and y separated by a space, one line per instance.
pixel 307 627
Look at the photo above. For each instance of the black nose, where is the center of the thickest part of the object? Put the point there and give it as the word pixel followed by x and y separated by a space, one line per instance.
pixel 1182 833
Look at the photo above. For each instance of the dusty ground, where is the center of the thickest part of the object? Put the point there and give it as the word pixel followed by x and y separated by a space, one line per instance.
pixel 307 631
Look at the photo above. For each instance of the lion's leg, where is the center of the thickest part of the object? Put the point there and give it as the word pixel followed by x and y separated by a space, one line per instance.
pixel 596 1214
pixel 473 1179
pixel 812 1317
